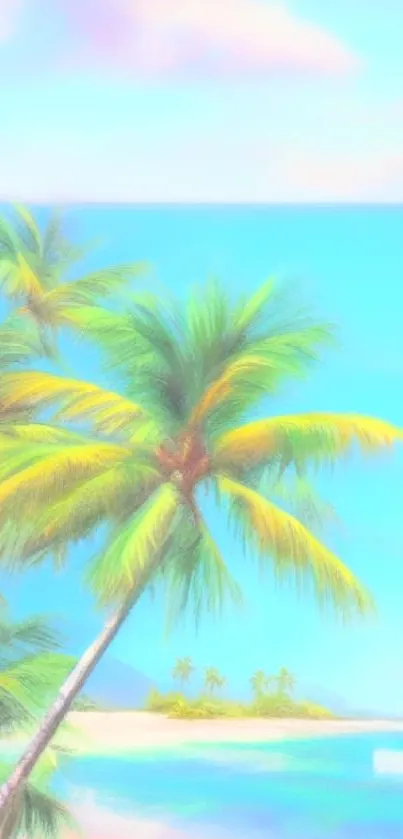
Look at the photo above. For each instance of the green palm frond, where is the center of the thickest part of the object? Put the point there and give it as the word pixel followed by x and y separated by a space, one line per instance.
pixel 34 633
pixel 195 575
pixel 35 813
pixel 128 554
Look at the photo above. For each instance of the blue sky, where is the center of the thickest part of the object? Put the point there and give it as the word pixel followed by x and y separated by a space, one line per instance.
pixel 242 100
pixel 349 263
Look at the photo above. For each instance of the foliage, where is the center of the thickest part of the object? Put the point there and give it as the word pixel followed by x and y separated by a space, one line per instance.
pixel 136 461
pixel 213 679
pixel 183 670
pixel 31 670
pixel 270 699
pixel 77 457
pixel 177 706
pixel 36 267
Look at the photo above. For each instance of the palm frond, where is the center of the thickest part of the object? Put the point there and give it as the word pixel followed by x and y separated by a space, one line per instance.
pixel 35 812
pixel 28 229
pixel 76 400
pixel 110 498
pixel 256 373
pixel 50 476
pixel 20 342
pixel 293 551
pixel 34 633
pixel 239 356
pixel 114 573
pixel 85 291
pixel 33 679
pixel 303 438
pixel 195 575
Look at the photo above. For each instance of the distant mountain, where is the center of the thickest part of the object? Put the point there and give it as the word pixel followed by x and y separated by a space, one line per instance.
pixel 114 684
pixel 322 696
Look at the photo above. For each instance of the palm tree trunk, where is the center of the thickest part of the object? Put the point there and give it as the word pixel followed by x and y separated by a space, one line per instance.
pixel 63 702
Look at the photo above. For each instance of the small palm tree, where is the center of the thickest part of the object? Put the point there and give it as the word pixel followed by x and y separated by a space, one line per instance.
pixel 183 670
pixel 285 682
pixel 31 668
pixel 213 679
pixel 258 682
pixel 137 462
pixel 35 271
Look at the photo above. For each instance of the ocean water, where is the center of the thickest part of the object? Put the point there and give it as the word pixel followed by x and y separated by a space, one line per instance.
pixel 311 789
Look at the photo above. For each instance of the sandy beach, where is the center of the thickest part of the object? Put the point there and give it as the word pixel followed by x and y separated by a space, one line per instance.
pixel 102 733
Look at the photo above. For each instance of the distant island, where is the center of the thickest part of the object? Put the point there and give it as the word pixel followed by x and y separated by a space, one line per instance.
pixel 271 697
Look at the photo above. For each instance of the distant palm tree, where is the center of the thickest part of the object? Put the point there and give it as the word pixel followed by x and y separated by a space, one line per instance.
pixel 285 682
pixel 35 276
pixel 213 679
pixel 183 670
pixel 258 682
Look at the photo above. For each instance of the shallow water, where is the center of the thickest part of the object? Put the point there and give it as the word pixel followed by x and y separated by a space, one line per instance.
pixel 310 789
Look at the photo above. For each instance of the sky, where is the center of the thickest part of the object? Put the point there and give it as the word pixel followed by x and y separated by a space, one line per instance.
pixel 348 264
pixel 201 101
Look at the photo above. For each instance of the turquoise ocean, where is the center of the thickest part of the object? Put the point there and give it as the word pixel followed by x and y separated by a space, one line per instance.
pixel 307 789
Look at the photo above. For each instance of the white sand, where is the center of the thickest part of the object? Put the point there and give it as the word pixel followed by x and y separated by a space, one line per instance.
pixel 131 730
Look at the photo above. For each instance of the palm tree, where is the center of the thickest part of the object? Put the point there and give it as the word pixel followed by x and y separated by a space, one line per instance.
pixel 285 682
pixel 183 670
pixel 136 461
pixel 30 670
pixel 258 683
pixel 213 679
pixel 35 276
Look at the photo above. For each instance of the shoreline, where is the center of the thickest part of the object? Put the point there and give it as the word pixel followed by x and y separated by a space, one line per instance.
pixel 97 732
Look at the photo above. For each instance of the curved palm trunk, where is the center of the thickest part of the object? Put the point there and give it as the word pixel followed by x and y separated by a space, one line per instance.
pixel 62 704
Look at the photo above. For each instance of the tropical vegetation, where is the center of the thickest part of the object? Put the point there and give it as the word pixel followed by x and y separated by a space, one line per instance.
pixel 189 415
pixel 31 670
pixel 271 698
pixel 183 670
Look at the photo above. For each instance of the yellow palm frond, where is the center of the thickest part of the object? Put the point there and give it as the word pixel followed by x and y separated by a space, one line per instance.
pixel 35 432
pixel 317 438
pixel 292 549
pixel 77 400
pixel 28 282
pixel 106 498
pixel 49 477
pixel 138 546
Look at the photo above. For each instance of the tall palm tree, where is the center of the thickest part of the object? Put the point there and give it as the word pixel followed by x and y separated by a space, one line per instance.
pixel 138 460
pixel 31 668
pixel 213 679
pixel 285 682
pixel 183 670
pixel 37 268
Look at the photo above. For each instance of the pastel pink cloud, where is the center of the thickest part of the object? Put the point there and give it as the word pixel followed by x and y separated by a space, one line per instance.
pixel 163 38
